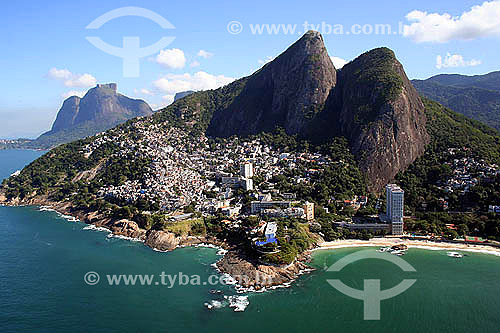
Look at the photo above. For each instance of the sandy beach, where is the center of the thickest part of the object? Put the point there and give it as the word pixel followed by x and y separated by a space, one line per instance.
pixel 411 243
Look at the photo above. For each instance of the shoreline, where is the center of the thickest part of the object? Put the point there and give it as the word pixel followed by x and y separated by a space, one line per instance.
pixel 163 242
pixel 233 264
pixel 411 243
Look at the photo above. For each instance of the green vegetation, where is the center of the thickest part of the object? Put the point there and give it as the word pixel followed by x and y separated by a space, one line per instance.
pixel 422 195
pixel 472 139
pixel 190 227
pixel 374 72
pixel 54 170
pixel 194 112
pixel 465 224
pixel 295 240
pixel 477 97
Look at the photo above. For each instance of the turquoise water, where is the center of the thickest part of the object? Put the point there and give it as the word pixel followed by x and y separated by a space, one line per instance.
pixel 15 159
pixel 43 260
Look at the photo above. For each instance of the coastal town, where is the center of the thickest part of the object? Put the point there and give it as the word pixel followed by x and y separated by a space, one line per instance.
pixel 237 178
pixel 466 172
pixel 207 175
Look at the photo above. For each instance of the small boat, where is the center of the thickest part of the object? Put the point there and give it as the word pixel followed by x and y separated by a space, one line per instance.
pixel 384 249
pixel 400 247
pixel 398 252
pixel 455 254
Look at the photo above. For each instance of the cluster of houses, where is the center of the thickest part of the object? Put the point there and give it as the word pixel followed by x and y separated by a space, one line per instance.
pixel 466 173
pixel 207 174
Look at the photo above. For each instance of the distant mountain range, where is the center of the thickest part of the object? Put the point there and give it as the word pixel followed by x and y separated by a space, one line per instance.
pixel 100 109
pixel 477 96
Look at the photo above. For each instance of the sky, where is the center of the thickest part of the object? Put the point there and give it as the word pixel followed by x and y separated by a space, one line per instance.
pixel 47 57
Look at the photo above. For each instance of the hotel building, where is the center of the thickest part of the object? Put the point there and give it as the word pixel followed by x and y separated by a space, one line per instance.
pixel 395 207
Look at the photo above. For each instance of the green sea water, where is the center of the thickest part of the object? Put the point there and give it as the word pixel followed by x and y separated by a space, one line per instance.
pixel 44 258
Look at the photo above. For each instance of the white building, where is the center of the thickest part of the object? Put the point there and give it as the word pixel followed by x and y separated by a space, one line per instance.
pixel 246 170
pixel 247 184
pixel 271 228
pixel 309 210
pixel 395 207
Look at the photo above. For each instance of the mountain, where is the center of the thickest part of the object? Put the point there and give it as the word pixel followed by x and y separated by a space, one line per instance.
pixel 287 92
pixel 100 109
pixel 477 96
pixel 370 101
pixel 181 94
pixel 369 107
pixel 377 109
pixel 490 81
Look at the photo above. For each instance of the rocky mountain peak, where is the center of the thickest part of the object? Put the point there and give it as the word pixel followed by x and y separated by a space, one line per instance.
pixel 287 92
pixel 108 86
pixel 380 113
pixel 101 108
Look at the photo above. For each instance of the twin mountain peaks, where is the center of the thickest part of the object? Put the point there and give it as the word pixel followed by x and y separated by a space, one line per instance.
pixel 370 102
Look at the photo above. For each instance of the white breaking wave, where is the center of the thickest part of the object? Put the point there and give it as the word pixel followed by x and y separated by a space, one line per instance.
pixel 125 238
pixel 239 303
pixel 46 209
pixel 93 227
pixel 221 252
pixel 228 279
pixel 158 250
pixel 214 304
pixel 50 209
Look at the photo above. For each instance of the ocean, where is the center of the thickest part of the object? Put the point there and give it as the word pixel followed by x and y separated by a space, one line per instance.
pixel 44 259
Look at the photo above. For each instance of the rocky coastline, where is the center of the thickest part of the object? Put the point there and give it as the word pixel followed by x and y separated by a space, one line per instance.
pixel 245 273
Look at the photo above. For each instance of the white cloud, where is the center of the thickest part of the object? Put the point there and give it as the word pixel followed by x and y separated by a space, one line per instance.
pixel 168 99
pixel 147 92
pixel 59 74
pixel 338 62
pixel 194 64
pixel 480 21
pixel 85 80
pixel 172 58
pixel 455 60
pixel 173 83
pixel 73 93
pixel 265 60
pixel 72 80
pixel 204 54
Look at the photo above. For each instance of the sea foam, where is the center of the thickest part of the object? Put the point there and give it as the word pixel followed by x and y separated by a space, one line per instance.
pixel 239 303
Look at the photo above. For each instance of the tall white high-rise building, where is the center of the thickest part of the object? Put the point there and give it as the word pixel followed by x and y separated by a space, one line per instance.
pixel 395 207
pixel 247 184
pixel 246 170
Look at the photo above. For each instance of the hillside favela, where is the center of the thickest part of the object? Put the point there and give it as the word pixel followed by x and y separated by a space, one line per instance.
pixel 232 166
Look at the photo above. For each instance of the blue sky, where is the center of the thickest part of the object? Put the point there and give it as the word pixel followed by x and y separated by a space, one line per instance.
pixel 46 56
